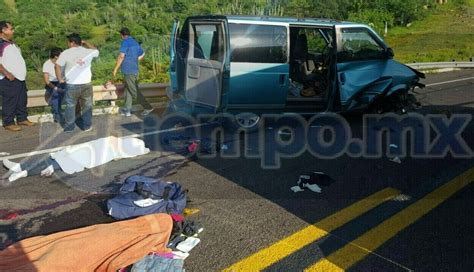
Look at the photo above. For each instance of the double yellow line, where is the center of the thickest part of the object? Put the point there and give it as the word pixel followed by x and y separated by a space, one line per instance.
pixel 310 234
pixel 358 249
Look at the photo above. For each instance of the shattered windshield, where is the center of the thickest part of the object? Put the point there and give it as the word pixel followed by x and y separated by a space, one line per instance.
pixel 358 44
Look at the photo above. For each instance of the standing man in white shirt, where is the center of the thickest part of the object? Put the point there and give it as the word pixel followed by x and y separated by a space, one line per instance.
pixel 76 62
pixel 12 81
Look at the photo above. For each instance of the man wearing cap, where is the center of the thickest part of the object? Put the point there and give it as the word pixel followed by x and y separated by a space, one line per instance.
pixel 12 81
pixel 76 62
pixel 130 54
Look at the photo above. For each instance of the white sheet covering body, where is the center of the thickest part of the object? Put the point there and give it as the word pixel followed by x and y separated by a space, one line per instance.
pixel 75 158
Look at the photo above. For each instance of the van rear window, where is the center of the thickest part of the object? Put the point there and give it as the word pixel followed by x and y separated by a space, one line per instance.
pixel 258 43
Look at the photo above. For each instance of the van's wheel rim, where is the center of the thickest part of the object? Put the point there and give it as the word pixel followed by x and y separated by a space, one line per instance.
pixel 247 120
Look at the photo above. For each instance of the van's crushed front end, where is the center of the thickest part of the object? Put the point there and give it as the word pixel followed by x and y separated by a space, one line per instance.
pixel 378 86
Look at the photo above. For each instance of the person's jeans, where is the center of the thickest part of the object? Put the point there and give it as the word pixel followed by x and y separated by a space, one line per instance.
pixel 158 264
pixel 35 168
pixel 55 100
pixel 132 92
pixel 82 94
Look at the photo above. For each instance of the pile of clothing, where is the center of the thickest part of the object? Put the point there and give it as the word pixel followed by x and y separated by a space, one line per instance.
pixel 140 196
pixel 152 235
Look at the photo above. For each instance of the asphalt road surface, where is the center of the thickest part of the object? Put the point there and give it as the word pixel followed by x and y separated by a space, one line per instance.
pixel 378 215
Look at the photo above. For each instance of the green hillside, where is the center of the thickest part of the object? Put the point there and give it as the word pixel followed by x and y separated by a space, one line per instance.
pixel 438 32
pixel 444 35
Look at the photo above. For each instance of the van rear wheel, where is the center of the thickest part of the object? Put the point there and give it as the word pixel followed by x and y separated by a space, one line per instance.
pixel 243 121
pixel 247 120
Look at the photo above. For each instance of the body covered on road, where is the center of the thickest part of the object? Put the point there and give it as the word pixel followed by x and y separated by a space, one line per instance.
pixel 75 158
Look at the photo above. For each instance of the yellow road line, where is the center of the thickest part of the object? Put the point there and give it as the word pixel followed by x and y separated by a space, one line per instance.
pixel 285 247
pixel 358 249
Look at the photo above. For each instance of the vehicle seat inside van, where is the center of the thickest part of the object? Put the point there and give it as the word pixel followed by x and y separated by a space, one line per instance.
pixel 303 63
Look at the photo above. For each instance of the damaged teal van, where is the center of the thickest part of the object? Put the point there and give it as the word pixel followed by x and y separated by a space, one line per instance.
pixel 252 65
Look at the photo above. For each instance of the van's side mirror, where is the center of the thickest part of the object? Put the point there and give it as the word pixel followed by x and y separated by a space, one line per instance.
pixel 389 52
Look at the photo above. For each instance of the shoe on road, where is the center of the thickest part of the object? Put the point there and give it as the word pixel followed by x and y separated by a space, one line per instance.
pixel 145 112
pixel 126 113
pixel 26 123
pixel 13 128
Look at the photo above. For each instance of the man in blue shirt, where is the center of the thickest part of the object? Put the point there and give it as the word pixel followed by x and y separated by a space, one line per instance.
pixel 130 54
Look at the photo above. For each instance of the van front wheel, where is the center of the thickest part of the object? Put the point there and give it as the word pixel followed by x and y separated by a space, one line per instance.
pixel 400 103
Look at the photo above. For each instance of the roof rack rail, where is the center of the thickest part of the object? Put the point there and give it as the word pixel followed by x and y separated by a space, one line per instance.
pixel 326 19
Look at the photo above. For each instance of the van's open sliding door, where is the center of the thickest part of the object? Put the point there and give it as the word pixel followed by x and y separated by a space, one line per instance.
pixel 205 62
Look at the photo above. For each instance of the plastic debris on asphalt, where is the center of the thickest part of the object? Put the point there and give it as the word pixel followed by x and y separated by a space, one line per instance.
pixel 296 189
pixel 313 181
pixel 396 160
pixel 188 244
pixel 313 187
pixel 190 211
pixel 402 198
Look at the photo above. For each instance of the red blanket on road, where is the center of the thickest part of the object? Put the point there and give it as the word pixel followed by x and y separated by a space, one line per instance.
pixel 106 247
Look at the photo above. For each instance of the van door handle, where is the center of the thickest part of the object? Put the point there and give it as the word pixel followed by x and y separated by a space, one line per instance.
pixel 342 78
pixel 282 79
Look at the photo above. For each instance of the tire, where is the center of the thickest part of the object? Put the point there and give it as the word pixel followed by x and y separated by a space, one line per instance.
pixel 400 103
pixel 247 120
pixel 243 121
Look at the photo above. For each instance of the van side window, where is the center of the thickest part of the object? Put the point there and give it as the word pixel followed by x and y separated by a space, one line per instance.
pixel 359 44
pixel 208 42
pixel 258 43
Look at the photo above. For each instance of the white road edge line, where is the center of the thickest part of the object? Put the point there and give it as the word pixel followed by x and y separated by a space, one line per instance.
pixel 447 82
pixel 45 151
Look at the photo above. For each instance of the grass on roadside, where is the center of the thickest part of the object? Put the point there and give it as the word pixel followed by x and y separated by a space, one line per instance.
pixel 445 35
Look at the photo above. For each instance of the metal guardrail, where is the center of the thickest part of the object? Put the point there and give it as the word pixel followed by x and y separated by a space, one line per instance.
pixel 36 98
pixel 441 65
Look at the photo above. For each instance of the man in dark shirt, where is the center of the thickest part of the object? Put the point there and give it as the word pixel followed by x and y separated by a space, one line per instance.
pixel 130 54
